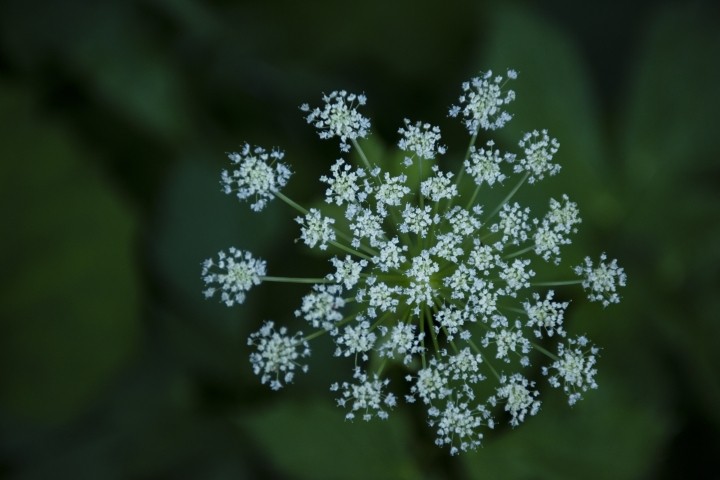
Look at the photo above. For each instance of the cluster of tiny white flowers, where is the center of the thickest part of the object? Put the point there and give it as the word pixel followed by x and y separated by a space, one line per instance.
pixel 517 393
pixel 344 185
pixel 421 139
pixel 513 225
pixel 458 426
pixel 424 276
pixel 575 368
pixel 316 229
pixel 259 174
pixel 339 117
pixel 485 164
pixel 277 354
pixel 355 340
pixel 482 101
pixel 603 280
pixel 365 396
pixel 539 151
pixel 347 271
pixel 438 187
pixel 402 342
pixel 321 307
pixel 507 339
pixel 546 316
pixel 233 273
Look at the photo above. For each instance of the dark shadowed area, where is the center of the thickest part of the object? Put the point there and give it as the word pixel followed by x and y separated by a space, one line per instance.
pixel 115 118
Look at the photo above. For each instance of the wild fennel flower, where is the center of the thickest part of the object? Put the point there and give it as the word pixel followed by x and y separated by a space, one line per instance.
pixel 423 275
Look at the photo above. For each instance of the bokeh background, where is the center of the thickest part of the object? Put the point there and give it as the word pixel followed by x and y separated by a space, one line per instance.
pixel 114 121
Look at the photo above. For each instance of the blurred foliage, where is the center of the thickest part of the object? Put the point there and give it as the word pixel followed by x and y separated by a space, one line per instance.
pixel 114 117
pixel 70 296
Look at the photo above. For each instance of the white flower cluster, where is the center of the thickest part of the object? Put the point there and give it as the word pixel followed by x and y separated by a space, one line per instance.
pixel 539 151
pixel 421 279
pixel 259 174
pixel 316 229
pixel 482 101
pixel 420 139
pixel 237 271
pixel 574 369
pixel 603 280
pixel 277 354
pixel 485 164
pixel 339 117
pixel 519 397
pixel 365 396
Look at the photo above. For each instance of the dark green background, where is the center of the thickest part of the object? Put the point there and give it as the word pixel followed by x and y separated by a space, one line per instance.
pixel 114 120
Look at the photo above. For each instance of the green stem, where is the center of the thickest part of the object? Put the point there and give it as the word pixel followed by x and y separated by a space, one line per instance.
pixel 509 196
pixel 382 367
pixel 462 166
pixel 348 238
pixel 452 342
pixel 304 211
pixel 520 252
pixel 546 352
pixel 515 310
pixel 422 340
pixel 556 284
pixel 349 250
pixel 420 175
pixel 314 335
pixel 472 199
pixel 323 331
pixel 485 361
pixel 295 280
pixel 384 277
pixel 363 157
pixel 431 327
pixel 290 202
pixel 379 321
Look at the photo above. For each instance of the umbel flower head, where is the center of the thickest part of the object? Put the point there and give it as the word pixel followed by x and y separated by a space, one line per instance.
pixel 423 275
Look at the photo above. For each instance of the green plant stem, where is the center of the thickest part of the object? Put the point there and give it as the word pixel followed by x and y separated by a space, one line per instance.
pixel 431 327
pixel 290 202
pixel 508 197
pixel 472 199
pixel 546 352
pixel 323 331
pixel 363 157
pixel 349 250
pixel 382 367
pixel 556 284
pixel 422 340
pixel 513 309
pixel 485 361
pixel 304 211
pixel 420 179
pixel 473 138
pixel 295 280
pixel 520 252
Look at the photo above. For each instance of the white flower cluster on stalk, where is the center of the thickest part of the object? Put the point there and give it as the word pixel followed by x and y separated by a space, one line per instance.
pixel 423 276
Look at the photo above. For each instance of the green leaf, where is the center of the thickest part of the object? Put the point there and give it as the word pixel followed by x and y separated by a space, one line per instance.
pixel 607 435
pixel 311 440
pixel 671 151
pixel 670 120
pixel 70 287
pixel 554 92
